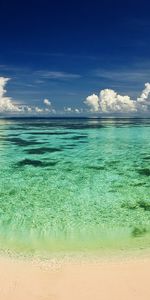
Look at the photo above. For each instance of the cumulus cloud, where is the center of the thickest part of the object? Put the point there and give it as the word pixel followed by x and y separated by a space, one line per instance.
pixel 77 110
pixel 93 102
pixel 47 102
pixel 145 93
pixel 72 110
pixel 68 109
pixel 109 101
pixel 38 109
pixel 6 103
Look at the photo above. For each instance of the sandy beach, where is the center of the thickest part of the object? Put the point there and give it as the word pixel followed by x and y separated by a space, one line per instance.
pixel 86 280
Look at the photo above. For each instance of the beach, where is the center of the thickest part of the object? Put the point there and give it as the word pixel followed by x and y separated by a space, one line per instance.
pixel 107 279
pixel 75 150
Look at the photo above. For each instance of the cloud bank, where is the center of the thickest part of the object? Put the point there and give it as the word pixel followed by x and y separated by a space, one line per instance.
pixel 109 101
pixel 7 105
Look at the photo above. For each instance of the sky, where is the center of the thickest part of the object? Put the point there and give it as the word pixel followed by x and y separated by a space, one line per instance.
pixel 74 57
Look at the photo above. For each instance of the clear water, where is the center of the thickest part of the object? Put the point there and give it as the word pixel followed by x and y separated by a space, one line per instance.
pixel 74 184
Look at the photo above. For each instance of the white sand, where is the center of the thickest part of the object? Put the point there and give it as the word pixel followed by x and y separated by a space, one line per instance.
pixel 100 280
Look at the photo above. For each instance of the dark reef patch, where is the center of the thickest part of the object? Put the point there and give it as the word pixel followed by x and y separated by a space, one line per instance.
pixel 21 142
pixel 144 204
pixel 112 163
pixel 35 163
pixel 144 172
pixel 112 191
pixel 137 183
pixel 83 141
pixel 50 133
pixel 69 169
pixel 120 173
pixel 43 150
pixel 11 135
pixel 146 157
pixel 30 162
pixel 130 205
pixel 71 145
pixel 78 137
pixel 118 186
pixel 96 167
pixel 50 163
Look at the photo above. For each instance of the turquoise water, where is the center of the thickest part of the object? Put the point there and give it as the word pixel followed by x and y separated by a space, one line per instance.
pixel 74 184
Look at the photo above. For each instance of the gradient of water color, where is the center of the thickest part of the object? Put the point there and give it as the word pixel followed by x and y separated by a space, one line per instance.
pixel 74 184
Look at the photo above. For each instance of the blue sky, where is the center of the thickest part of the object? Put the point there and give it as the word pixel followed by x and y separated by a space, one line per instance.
pixel 67 50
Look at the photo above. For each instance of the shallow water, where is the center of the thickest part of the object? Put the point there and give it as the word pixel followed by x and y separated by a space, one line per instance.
pixel 74 184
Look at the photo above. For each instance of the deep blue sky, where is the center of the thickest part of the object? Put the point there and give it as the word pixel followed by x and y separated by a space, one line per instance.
pixel 66 50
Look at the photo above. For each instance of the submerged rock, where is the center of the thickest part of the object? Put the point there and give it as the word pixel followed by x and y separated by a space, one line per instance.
pixel 138 231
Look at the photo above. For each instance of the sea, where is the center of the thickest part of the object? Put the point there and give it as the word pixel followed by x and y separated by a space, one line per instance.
pixel 74 184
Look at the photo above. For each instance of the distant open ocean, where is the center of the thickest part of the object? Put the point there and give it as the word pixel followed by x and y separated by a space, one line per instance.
pixel 74 184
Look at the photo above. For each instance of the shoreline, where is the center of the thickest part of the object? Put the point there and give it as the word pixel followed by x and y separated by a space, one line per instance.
pixel 76 277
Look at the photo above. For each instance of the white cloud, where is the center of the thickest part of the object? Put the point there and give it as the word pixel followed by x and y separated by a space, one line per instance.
pixel 29 109
pixel 47 102
pixel 68 109
pixel 38 109
pixel 6 103
pixel 72 110
pixel 93 102
pixel 109 101
pixel 77 110
pixel 124 76
pixel 145 93
pixel 57 75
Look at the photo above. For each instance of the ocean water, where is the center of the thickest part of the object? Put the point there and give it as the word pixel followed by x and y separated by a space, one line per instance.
pixel 74 184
